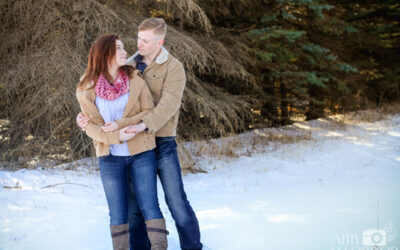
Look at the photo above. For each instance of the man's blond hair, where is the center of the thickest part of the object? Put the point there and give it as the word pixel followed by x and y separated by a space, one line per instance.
pixel 158 26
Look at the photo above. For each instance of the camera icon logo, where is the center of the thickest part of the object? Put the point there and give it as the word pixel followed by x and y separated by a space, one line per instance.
pixel 374 238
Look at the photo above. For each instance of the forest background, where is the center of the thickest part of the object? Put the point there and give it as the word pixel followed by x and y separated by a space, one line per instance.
pixel 249 64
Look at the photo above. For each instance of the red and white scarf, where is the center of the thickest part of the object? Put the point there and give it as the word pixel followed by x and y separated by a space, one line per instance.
pixel 105 90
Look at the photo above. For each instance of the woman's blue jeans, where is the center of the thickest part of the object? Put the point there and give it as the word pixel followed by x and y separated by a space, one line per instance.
pixel 169 171
pixel 117 172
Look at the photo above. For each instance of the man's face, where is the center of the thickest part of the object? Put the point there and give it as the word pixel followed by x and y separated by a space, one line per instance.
pixel 148 42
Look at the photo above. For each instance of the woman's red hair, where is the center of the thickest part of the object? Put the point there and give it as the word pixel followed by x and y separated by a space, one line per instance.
pixel 100 56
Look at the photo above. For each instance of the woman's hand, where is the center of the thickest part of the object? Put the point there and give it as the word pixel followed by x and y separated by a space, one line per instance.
pixel 82 120
pixel 124 135
pixel 109 126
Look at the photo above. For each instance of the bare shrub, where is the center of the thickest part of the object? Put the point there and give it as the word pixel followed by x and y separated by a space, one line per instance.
pixel 48 42
pixel 43 52
pixel 190 12
pixel 368 115
pixel 248 143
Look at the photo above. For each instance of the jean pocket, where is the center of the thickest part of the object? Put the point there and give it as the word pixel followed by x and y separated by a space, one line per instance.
pixel 104 157
pixel 165 139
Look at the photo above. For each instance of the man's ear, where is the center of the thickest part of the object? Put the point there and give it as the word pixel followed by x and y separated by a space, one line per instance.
pixel 161 42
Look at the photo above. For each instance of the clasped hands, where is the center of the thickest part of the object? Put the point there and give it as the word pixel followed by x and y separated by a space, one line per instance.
pixel 125 134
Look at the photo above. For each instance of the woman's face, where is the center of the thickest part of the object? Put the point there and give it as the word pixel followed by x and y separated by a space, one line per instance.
pixel 120 54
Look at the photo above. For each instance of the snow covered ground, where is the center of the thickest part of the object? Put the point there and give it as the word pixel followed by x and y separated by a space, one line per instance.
pixel 321 193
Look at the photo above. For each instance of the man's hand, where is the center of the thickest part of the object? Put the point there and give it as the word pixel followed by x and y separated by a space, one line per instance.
pixel 137 128
pixel 82 120
pixel 109 126
pixel 124 135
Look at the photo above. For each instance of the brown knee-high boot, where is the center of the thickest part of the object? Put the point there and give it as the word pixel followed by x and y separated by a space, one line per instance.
pixel 120 237
pixel 157 233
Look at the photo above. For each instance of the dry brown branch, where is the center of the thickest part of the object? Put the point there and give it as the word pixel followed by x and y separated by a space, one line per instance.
pixel 189 11
pixel 65 183
pixel 43 52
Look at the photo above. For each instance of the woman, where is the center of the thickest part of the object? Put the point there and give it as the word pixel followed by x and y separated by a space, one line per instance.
pixel 114 96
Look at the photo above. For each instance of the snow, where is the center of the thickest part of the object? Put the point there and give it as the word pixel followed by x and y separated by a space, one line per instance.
pixel 318 193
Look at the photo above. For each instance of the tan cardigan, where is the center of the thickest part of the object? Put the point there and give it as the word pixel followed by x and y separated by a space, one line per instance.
pixel 166 79
pixel 139 104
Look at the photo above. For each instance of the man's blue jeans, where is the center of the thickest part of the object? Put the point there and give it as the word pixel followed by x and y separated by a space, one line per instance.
pixel 117 172
pixel 169 171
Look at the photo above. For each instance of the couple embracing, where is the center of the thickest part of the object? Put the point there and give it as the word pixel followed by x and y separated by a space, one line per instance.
pixel 130 108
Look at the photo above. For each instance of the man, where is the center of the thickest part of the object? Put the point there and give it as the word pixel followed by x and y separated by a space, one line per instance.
pixel 165 77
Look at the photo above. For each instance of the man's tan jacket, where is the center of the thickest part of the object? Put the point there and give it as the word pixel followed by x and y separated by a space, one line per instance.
pixel 139 104
pixel 165 77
